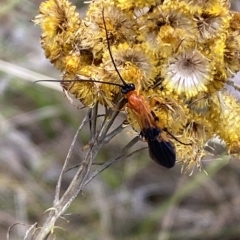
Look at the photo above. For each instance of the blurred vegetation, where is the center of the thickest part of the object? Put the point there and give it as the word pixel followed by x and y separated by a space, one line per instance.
pixel 133 199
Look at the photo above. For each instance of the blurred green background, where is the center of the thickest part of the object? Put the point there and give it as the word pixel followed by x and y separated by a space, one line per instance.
pixel 133 199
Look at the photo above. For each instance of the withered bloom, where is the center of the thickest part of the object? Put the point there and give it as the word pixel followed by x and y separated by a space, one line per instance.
pixel 188 73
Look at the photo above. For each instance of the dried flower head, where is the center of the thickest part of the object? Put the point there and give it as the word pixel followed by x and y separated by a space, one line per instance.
pixel 210 24
pixel 232 53
pixel 226 125
pixel 59 22
pixel 188 72
pixel 133 63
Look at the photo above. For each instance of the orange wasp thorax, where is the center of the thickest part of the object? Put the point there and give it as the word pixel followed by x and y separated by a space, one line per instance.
pixel 141 110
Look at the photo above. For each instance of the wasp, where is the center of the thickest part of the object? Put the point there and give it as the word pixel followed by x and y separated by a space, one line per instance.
pixel 161 149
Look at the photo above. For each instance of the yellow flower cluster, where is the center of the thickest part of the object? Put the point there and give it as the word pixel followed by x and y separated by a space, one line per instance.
pixel 179 54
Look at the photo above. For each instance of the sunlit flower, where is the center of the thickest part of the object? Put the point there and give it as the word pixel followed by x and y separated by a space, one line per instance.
pixel 133 64
pixel 188 72
pixel 199 103
pixel 118 24
pixel 169 25
pixel 89 90
pixel 232 53
pixel 59 22
pixel 190 156
pixel 170 110
pixel 208 25
pixel 198 128
pixel 198 6
pixel 72 62
pixel 212 22
pixel 223 114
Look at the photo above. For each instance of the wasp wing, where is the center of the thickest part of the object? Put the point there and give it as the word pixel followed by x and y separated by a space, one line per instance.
pixel 162 153
pixel 161 150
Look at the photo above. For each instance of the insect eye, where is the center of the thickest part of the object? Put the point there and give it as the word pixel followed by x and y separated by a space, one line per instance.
pixel 132 86
pixel 124 90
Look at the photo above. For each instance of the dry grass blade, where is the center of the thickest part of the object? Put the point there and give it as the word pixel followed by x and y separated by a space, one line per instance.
pixel 58 188
pixel 27 74
pixel 99 137
pixel 118 158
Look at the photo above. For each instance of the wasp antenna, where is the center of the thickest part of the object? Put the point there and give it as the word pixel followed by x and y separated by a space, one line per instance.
pixel 80 80
pixel 109 49
pixel 48 81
